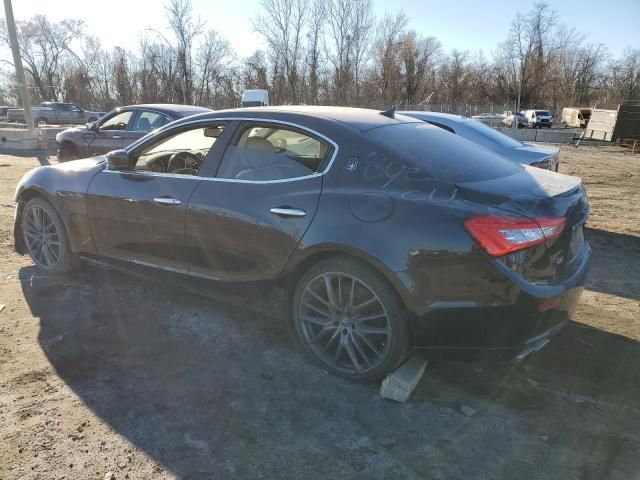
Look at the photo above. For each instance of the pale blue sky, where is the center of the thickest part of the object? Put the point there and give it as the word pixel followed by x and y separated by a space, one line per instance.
pixel 463 24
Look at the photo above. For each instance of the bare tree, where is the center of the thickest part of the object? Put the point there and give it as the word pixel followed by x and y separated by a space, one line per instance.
pixel 418 56
pixel 45 47
pixel 281 24
pixel 213 61
pixel 186 29
pixel 314 37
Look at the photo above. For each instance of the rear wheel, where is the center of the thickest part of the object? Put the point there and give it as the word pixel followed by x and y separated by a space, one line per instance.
pixel 350 320
pixel 45 237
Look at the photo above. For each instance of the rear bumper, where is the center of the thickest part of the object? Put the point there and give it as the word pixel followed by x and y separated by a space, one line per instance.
pixel 502 332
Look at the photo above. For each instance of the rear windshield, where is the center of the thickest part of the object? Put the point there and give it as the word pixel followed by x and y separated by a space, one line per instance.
pixel 493 135
pixel 442 156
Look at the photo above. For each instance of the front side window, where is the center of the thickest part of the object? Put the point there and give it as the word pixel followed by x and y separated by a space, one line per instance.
pixel 266 152
pixel 117 122
pixel 148 121
pixel 181 153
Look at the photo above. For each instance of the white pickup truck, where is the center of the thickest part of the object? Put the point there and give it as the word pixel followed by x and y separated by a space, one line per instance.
pixel 54 112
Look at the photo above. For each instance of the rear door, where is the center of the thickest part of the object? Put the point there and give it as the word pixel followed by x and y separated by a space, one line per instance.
pixel 145 121
pixel 244 224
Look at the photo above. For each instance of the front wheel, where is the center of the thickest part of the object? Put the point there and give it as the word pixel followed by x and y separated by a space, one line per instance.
pixel 45 237
pixel 350 320
pixel 66 152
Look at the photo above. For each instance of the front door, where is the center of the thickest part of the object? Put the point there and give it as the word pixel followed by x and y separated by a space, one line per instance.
pixel 138 215
pixel 110 133
pixel 244 224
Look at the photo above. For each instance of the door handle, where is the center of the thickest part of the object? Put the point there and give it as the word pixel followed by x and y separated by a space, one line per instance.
pixel 117 137
pixel 288 212
pixel 172 202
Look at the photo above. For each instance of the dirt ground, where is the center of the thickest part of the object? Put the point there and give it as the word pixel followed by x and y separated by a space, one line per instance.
pixel 100 372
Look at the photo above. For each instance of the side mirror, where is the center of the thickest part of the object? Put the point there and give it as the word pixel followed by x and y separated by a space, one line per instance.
pixel 118 160
pixel 92 127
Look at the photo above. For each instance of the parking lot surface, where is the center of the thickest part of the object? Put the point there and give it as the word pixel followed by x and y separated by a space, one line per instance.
pixel 102 372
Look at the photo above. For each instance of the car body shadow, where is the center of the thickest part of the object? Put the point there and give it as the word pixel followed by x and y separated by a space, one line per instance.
pixel 214 391
pixel 40 154
pixel 615 267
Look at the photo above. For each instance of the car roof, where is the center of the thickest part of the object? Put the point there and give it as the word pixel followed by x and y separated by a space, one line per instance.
pixel 361 119
pixel 169 108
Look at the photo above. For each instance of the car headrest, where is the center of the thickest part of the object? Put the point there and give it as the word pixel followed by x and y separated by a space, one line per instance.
pixel 258 143
pixel 144 125
pixel 258 153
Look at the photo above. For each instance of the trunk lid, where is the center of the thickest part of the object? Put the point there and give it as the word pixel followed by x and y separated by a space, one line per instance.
pixel 536 193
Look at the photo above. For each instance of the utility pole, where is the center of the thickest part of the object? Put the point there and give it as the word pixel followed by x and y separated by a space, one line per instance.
pixel 17 61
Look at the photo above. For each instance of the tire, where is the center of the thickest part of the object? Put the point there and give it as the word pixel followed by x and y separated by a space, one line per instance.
pixel 38 218
pixel 40 121
pixel 67 151
pixel 362 344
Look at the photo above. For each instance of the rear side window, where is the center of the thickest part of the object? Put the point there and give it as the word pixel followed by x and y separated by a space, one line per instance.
pixel 148 121
pixel 440 155
pixel 267 152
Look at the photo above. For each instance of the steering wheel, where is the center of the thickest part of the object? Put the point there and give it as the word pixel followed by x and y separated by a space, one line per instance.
pixel 190 163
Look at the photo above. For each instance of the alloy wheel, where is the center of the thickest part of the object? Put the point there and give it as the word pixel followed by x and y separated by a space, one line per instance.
pixel 344 322
pixel 42 236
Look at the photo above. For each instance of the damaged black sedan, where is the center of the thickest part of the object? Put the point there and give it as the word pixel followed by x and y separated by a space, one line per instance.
pixel 374 234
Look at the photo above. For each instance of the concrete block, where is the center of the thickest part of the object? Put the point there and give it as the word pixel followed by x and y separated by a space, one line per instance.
pixel 18 139
pixel 399 384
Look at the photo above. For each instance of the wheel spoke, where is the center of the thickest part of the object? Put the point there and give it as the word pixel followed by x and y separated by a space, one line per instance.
pixel 368 344
pixel 331 295
pixel 319 298
pixel 360 306
pixel 322 332
pixel 316 321
pixel 352 355
pixel 330 341
pixel 45 253
pixel 351 293
pixel 317 310
pixel 372 330
pixel 369 317
pixel 360 350
pixel 336 356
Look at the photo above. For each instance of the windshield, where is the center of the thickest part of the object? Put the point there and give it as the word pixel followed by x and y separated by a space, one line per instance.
pixel 493 135
pixel 543 112
pixel 441 155
pixel 250 103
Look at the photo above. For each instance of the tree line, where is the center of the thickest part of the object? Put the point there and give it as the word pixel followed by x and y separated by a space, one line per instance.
pixel 321 52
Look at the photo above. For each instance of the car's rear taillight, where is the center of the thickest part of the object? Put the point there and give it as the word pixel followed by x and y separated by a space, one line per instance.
pixel 545 164
pixel 500 235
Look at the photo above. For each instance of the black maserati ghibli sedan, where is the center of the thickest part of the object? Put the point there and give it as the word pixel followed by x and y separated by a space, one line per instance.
pixel 372 233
